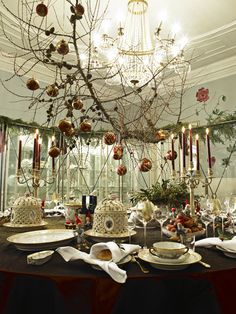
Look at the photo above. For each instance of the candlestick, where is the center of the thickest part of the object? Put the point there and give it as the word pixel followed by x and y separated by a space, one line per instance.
pixel 172 152
pixel 197 152
pixel 183 147
pixel 19 153
pixel 208 148
pixel 190 144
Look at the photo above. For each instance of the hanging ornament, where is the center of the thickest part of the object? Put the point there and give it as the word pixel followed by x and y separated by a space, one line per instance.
pixel 79 10
pixel 85 126
pixel 52 90
pixel 62 47
pixel 64 125
pixel 118 152
pixel 168 155
pixel 42 9
pixel 109 138
pixel 54 152
pixel 70 132
pixel 32 84
pixel 121 170
pixel 77 104
pixel 161 135
pixel 145 165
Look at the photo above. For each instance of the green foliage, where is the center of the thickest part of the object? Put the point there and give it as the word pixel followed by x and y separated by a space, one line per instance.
pixel 171 193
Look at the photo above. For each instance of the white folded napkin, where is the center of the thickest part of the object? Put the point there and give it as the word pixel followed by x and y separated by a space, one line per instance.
pixel 118 253
pixel 228 245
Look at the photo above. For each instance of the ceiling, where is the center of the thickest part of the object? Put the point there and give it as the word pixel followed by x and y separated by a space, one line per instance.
pixel 210 26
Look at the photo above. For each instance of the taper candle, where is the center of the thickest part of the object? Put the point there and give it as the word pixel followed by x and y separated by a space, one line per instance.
pixel 39 152
pixel 34 151
pixel 19 153
pixel 53 141
pixel 208 148
pixel 197 152
pixel 183 147
pixel 172 152
pixel 190 144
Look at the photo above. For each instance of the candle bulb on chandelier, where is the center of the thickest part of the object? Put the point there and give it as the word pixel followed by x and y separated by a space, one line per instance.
pixel 172 152
pixel 208 148
pixel 19 153
pixel 183 148
pixel 190 145
pixel 197 152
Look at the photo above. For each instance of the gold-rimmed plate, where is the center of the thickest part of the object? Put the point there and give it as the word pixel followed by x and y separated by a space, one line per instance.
pixel 158 263
pixel 99 237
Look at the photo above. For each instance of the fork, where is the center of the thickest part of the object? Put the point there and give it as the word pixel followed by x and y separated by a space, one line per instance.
pixel 143 269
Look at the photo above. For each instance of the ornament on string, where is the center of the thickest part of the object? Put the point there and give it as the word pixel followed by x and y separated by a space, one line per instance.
pixel 64 125
pixel 145 165
pixel 85 126
pixel 161 135
pixel 62 47
pixel 202 94
pixel 109 138
pixel 32 84
pixel 70 132
pixel 42 9
pixel 169 156
pixel 52 90
pixel 77 104
pixel 118 151
pixel 54 151
pixel 79 10
pixel 121 170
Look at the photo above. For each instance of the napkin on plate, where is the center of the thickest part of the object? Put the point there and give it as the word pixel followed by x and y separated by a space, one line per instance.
pixel 228 245
pixel 118 253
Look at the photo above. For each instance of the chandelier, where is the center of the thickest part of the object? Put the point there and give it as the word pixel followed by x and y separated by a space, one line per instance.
pixel 137 57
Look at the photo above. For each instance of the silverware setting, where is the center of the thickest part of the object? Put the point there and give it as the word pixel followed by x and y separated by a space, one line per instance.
pixel 204 264
pixel 143 269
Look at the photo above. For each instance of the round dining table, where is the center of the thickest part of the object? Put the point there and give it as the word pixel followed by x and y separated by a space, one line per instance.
pixel 60 287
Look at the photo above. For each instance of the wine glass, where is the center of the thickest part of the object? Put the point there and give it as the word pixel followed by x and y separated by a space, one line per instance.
pixel 144 216
pixel 130 226
pixel 161 215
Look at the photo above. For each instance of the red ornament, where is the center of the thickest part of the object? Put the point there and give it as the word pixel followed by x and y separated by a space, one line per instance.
pixel 52 90
pixel 85 126
pixel 145 165
pixel 32 84
pixel 54 152
pixel 79 10
pixel 168 155
pixel 118 152
pixel 202 94
pixel 121 170
pixel 64 125
pixel 62 47
pixel 77 104
pixel 42 9
pixel 109 138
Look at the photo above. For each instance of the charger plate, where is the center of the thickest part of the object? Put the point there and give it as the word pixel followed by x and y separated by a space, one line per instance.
pixel 22 228
pixel 98 237
pixel 227 253
pixel 42 239
pixel 178 264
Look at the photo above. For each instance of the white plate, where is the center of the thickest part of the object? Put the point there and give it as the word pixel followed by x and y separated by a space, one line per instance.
pixel 227 253
pixel 42 239
pixel 171 234
pixel 192 258
pixel 124 260
pixel 20 227
pixel 98 237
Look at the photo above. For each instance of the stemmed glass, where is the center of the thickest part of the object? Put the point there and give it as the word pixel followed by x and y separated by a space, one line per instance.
pixel 144 216
pixel 161 215
pixel 131 225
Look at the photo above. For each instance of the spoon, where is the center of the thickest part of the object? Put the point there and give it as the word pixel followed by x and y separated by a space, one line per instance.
pixel 143 269
pixel 204 264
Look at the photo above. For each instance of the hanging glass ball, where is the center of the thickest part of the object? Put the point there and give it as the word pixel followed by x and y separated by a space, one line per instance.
pixel 121 170
pixel 145 165
pixel 42 9
pixel 32 84
pixel 109 138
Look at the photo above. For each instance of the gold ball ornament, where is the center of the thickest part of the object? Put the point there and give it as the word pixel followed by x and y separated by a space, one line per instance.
pixel 145 165
pixel 109 138
pixel 79 10
pixel 121 170
pixel 161 135
pixel 85 126
pixel 64 125
pixel 42 9
pixel 77 104
pixel 70 132
pixel 52 90
pixel 54 152
pixel 118 152
pixel 32 84
pixel 62 47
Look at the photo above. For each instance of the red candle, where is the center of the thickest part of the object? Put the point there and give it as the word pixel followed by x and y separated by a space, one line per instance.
pixel 208 148
pixel 34 151
pixel 190 143
pixel 53 164
pixel 172 152
pixel 39 152
pixel 197 152
pixel 19 153
pixel 184 147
